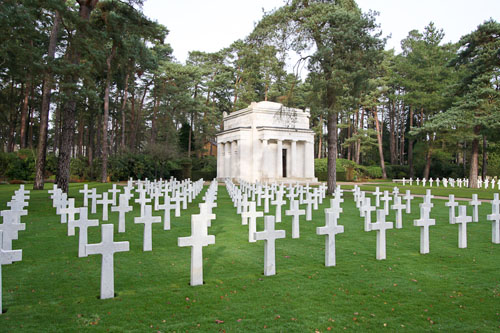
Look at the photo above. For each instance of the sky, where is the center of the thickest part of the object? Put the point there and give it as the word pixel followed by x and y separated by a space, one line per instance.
pixel 210 25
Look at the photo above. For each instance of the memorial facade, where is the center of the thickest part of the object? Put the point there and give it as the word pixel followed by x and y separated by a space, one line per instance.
pixel 266 142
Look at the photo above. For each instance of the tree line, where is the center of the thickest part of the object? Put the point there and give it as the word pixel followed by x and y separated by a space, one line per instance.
pixel 91 79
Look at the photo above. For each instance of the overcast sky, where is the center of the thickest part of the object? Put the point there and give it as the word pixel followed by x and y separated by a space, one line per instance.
pixel 210 25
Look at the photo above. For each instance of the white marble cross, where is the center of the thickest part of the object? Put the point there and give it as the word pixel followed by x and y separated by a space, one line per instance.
pixel 330 230
pixel 199 238
pixel 386 198
pixel 494 217
pixel 279 202
pixel 423 182
pixel 177 199
pixel 250 217
pixel 408 197
pixel 452 204
pixel 269 235
pixel 7 257
pixel 166 207
pixel 206 212
pixel 114 191
pixel 107 248
pixel 462 219
pixel 105 202
pixel 266 196
pixel 147 219
pixel 381 226
pixel 11 226
pixel 424 223
pixel 83 223
pixel 69 211
pixel 142 200
pixel 122 209
pixel 428 199
pixel 377 194
pixel 309 202
pixel 398 207
pixel 475 210
pixel 86 193
pixel 295 212
pixel 368 209
pixel 94 196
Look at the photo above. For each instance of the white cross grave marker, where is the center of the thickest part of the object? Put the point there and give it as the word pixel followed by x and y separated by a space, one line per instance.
pixel 408 197
pixel 424 223
pixel 107 248
pixel 199 238
pixel 368 209
pixel 148 219
pixel 105 202
pixel 94 196
pixel 330 230
pixel 83 223
pixel 398 207
pixel 463 219
pixel 269 235
pixel 381 226
pixel 386 198
pixel 122 209
pixel 251 216
pixel 7 257
pixel 295 212
pixel 494 217
pixel 11 226
pixel 452 204
pixel 475 211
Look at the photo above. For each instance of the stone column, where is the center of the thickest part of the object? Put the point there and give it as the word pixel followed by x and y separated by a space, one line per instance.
pixel 293 158
pixel 308 159
pixel 264 161
pixel 227 160
pixel 220 160
pixel 279 159
pixel 234 159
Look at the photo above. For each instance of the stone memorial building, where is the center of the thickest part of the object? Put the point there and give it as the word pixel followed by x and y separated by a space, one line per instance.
pixel 266 142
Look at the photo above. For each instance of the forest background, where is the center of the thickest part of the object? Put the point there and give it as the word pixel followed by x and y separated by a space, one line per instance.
pixel 89 90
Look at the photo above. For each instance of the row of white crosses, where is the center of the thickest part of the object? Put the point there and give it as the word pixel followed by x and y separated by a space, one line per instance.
pixel 9 230
pixel 459 182
pixel 462 218
pixel 148 191
pixel 242 198
pixel 381 225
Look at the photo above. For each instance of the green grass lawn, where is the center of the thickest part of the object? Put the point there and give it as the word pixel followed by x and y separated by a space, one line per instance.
pixel 450 289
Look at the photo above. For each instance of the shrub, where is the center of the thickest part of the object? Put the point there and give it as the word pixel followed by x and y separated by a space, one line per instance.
pixel 373 171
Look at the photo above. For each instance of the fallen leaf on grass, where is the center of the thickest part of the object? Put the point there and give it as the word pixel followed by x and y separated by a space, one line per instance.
pixel 219 321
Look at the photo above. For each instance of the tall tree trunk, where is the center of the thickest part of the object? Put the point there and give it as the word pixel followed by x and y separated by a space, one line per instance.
pixel 69 108
pixel 24 114
pixel 392 136
pixel 428 160
pixel 474 160
pixel 410 148
pixel 358 142
pixel 12 120
pixel 105 118
pixel 133 127
pixel 485 157
pixel 320 139
pixel 123 108
pixel 379 140
pixel 332 150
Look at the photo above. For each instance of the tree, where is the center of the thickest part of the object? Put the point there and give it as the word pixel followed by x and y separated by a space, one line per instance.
pixel 346 48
